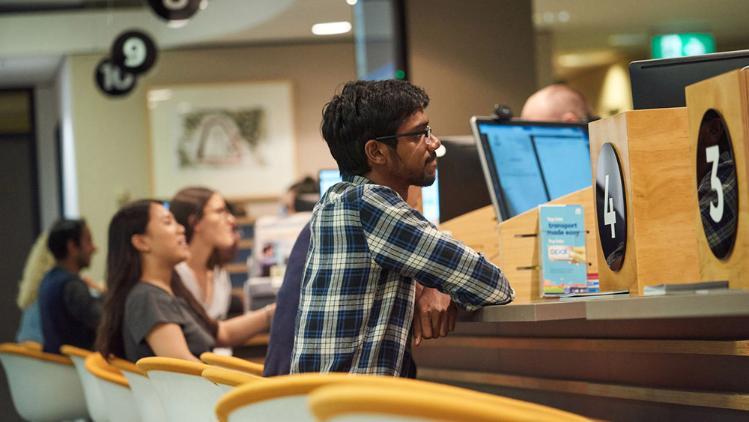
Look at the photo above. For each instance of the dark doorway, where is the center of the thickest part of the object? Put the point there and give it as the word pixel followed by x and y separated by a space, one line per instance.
pixel 19 211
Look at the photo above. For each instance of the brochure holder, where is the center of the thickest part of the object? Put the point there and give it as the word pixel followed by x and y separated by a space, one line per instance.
pixel 513 244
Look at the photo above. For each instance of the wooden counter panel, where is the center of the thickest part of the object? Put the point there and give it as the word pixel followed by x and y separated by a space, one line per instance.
pixel 680 397
pixel 735 328
pixel 656 370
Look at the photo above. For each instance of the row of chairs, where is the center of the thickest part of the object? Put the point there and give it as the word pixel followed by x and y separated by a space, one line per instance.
pixel 81 383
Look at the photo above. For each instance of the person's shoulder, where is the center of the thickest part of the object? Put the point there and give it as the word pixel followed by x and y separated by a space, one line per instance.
pixel 382 195
pixel 146 292
pixel 186 274
pixel 56 277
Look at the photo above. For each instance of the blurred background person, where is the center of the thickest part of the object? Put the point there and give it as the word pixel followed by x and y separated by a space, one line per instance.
pixel 147 310
pixel 69 312
pixel 557 103
pixel 39 261
pixel 210 228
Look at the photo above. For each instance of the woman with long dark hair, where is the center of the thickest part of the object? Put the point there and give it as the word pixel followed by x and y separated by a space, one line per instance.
pixel 147 309
pixel 209 230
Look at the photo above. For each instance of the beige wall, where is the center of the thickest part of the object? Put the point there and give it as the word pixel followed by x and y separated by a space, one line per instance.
pixel 607 88
pixel 111 135
pixel 470 55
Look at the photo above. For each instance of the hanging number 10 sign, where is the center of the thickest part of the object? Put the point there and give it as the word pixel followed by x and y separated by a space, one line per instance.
pixel 611 207
pixel 133 53
pixel 112 80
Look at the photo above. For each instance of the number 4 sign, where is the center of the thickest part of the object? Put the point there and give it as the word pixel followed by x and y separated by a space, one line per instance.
pixel 609 215
pixel 611 207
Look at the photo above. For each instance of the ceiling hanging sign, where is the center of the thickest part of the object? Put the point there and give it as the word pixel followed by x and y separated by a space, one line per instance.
pixel 134 51
pixel 112 80
pixel 175 10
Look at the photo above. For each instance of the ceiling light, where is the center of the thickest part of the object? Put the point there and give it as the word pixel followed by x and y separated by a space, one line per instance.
pixel 351 2
pixel 331 28
pixel 563 16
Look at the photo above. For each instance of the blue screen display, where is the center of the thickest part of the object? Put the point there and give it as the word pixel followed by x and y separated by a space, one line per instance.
pixel 328 178
pixel 533 164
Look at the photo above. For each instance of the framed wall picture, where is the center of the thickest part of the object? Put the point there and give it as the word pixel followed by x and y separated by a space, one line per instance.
pixel 236 138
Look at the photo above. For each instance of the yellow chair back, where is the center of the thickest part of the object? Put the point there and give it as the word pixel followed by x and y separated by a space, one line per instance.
pixel 380 402
pixel 231 362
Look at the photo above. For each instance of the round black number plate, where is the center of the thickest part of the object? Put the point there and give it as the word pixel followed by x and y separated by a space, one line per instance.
pixel 112 80
pixel 134 51
pixel 175 10
pixel 611 207
pixel 717 184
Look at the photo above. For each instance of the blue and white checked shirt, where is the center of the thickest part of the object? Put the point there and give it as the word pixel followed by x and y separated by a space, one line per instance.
pixel 357 295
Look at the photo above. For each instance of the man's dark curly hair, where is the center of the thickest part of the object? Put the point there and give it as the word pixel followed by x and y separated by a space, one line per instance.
pixel 365 110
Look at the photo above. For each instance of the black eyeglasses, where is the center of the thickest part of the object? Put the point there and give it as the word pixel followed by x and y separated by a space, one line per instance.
pixel 420 133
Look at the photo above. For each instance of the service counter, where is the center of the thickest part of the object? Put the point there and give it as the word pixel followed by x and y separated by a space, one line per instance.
pixel 615 358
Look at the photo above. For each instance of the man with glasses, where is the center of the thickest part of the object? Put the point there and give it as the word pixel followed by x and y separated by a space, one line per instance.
pixel 368 248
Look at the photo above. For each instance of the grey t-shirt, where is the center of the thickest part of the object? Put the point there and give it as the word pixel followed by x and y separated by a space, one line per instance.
pixel 146 307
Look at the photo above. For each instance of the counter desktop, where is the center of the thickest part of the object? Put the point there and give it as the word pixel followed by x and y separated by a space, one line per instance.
pixel 664 203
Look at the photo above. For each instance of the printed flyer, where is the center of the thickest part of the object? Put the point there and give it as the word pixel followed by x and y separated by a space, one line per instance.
pixel 562 246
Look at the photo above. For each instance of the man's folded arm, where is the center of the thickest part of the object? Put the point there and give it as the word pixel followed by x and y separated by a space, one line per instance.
pixel 400 239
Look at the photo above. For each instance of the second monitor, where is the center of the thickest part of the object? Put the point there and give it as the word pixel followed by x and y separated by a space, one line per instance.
pixel 527 164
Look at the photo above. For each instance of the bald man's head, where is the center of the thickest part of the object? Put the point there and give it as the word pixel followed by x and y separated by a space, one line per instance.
pixel 556 103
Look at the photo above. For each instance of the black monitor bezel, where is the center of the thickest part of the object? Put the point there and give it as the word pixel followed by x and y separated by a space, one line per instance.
pixel 641 74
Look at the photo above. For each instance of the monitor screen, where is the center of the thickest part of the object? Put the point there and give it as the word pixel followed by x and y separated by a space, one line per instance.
pixel 462 187
pixel 328 178
pixel 430 198
pixel 660 83
pixel 527 164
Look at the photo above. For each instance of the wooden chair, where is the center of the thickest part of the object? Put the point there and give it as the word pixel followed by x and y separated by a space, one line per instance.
pixel 43 386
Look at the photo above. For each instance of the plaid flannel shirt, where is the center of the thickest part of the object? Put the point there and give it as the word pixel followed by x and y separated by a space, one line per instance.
pixel 357 296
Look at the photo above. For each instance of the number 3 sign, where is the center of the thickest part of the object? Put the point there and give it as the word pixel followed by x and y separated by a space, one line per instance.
pixel 717 184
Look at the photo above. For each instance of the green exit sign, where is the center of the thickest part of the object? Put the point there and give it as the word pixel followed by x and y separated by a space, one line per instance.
pixel 681 45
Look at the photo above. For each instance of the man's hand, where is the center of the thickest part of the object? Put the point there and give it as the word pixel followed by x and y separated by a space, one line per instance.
pixel 434 315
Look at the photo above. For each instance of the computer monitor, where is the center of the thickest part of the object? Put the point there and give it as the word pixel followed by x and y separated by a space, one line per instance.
pixel 327 178
pixel 660 83
pixel 527 164
pixel 462 186
pixel 429 195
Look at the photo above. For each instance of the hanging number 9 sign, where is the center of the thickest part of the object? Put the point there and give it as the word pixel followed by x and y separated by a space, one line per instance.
pixel 134 51
pixel 174 10
pixel 717 184
pixel 112 80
